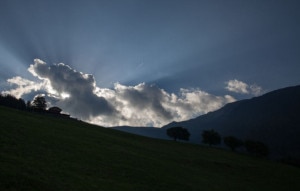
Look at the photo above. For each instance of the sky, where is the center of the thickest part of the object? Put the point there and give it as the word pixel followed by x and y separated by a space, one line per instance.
pixel 147 63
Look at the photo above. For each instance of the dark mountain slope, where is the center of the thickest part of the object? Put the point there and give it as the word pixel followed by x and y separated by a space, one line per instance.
pixel 273 118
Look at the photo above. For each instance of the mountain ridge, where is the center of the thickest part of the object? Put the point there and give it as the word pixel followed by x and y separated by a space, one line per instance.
pixel 272 118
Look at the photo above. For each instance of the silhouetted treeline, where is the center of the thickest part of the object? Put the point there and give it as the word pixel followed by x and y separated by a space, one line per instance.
pixel 13 102
pixel 212 137
pixel 38 104
pixel 256 148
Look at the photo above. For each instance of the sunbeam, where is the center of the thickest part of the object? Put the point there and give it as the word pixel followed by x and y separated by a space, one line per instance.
pixel 178 46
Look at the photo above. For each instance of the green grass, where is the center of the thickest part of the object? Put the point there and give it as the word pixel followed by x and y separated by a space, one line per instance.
pixel 40 152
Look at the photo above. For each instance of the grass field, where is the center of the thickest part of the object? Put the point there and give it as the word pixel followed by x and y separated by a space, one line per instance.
pixel 39 152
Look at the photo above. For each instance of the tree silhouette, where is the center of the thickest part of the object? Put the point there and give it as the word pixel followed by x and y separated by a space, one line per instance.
pixel 257 148
pixel 11 101
pixel 39 103
pixel 178 133
pixel 232 142
pixel 211 137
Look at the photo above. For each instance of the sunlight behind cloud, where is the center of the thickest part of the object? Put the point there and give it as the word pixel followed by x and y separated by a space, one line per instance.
pixel 64 95
pixel 140 105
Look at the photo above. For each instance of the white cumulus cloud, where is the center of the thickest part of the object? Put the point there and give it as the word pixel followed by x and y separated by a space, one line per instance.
pixel 23 86
pixel 243 88
pixel 139 105
pixel 149 105
pixel 237 86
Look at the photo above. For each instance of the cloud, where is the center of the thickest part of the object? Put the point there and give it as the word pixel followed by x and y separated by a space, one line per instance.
pixel 256 90
pixel 237 86
pixel 149 105
pixel 139 105
pixel 24 86
pixel 243 88
pixel 81 100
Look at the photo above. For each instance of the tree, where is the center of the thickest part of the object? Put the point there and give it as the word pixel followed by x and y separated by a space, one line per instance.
pixel 232 142
pixel 39 103
pixel 257 148
pixel 11 101
pixel 211 137
pixel 178 133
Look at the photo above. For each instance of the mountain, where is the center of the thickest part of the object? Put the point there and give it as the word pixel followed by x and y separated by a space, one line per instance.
pixel 42 152
pixel 273 118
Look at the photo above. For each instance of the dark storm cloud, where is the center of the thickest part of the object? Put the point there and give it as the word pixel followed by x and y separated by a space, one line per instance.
pixel 79 88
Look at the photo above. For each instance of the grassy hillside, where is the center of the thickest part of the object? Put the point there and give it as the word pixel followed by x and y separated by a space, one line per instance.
pixel 46 153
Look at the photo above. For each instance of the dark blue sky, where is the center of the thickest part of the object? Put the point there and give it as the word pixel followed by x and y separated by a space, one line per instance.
pixel 170 43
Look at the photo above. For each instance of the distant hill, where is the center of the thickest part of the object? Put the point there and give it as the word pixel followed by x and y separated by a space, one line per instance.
pixel 273 118
pixel 42 152
pixel 153 132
